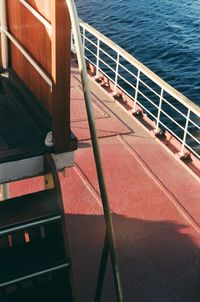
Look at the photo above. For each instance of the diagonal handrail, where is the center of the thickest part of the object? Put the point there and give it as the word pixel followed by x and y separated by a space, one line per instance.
pixel 96 151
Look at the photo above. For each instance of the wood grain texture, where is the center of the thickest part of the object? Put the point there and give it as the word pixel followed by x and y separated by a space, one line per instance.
pixel 44 7
pixel 52 51
pixel 61 63
pixel 36 40
pixel 31 78
pixel 31 33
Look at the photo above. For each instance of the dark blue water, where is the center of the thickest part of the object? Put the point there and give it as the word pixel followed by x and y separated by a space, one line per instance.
pixel 163 34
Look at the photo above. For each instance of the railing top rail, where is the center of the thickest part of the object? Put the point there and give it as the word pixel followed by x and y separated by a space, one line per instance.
pixel 146 71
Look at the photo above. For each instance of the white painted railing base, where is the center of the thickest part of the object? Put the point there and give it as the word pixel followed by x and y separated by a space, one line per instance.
pixel 31 167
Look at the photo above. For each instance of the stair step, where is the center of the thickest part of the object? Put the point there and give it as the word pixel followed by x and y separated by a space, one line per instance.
pixel 35 258
pixel 54 287
pixel 27 211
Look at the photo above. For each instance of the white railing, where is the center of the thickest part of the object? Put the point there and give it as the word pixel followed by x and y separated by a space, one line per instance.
pixel 168 108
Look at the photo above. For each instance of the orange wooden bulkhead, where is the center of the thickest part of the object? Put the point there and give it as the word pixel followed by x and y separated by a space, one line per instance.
pixel 51 50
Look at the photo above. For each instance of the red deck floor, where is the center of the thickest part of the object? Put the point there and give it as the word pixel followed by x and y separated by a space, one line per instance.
pixel 155 203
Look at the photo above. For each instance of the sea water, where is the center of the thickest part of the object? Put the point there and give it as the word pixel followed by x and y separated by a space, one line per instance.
pixel 163 34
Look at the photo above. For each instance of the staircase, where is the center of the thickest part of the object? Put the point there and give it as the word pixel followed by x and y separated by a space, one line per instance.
pixel 34 251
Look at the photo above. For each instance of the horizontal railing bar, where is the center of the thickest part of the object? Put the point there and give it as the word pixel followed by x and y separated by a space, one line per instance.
pixel 173 120
pixel 125 80
pixel 172 106
pixel 95 45
pixel 152 90
pixel 89 60
pixel 159 120
pixel 107 54
pixel 106 64
pixel 196 125
pixel 90 41
pixel 194 138
pixel 170 131
pixel 150 101
pixel 131 97
pixel 120 87
pixel 128 94
pixel 28 57
pixel 168 88
pixel 192 150
pixel 146 110
pixel 126 69
pixel 93 53
pixel 37 15
pixel 107 76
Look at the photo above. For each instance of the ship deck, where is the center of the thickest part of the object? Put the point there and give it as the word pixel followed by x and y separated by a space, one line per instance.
pixel 154 199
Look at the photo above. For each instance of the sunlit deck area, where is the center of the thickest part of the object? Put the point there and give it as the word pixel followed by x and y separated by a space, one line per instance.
pixel 154 199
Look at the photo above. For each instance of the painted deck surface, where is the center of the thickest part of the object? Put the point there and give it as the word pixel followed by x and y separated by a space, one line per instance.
pixel 155 203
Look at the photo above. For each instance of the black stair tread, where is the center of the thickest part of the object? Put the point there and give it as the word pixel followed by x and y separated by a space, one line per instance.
pixel 55 290
pixel 28 208
pixel 28 258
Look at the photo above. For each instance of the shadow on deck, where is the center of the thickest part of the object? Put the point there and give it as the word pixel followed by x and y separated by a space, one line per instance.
pixel 158 260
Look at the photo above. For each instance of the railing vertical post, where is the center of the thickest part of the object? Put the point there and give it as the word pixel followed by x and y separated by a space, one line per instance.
pixel 185 133
pixel 159 110
pixel 136 91
pixel 73 47
pixel 4 39
pixel 84 41
pixel 116 73
pixel 97 61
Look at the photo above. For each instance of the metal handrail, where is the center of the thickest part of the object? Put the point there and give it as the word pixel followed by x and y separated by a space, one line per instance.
pixel 109 241
pixel 100 57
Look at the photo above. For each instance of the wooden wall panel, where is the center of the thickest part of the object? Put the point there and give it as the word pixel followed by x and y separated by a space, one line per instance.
pixel 31 33
pixel 52 51
pixel 34 37
pixel 44 7
pixel 31 78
